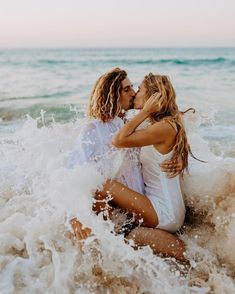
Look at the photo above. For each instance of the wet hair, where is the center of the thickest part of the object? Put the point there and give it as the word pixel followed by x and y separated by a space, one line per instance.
pixel 168 110
pixel 104 99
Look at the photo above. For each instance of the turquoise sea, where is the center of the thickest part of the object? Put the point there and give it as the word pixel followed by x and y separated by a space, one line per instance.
pixel 59 81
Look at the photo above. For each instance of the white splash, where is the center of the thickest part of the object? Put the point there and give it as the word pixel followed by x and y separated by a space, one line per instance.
pixel 39 194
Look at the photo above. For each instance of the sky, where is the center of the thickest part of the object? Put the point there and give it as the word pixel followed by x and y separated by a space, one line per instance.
pixel 117 23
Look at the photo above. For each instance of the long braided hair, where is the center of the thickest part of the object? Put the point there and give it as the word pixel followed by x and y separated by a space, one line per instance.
pixel 104 99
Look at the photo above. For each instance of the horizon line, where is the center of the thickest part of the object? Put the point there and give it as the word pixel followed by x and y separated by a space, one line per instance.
pixel 121 47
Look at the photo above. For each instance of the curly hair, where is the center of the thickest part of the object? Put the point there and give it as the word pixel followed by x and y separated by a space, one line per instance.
pixel 169 111
pixel 104 99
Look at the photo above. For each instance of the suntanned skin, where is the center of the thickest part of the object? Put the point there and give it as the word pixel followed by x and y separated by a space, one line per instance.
pixel 159 240
pixel 130 200
pixel 172 169
pixel 160 134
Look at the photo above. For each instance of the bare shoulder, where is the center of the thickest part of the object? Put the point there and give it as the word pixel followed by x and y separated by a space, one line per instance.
pixel 163 127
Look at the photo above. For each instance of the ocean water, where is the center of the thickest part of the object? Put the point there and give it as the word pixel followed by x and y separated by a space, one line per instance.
pixel 43 96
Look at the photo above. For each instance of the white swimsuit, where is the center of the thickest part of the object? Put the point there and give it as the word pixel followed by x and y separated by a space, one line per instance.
pixel 164 194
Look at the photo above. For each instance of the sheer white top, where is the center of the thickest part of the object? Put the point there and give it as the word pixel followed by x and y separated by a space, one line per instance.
pixel 94 144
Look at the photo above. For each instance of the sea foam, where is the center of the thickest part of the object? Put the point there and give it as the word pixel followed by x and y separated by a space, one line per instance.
pixel 39 195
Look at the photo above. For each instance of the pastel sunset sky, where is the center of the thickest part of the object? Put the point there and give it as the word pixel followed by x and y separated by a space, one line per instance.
pixel 117 23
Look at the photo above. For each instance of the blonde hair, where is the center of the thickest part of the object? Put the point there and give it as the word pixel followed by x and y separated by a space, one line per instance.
pixel 169 111
pixel 104 99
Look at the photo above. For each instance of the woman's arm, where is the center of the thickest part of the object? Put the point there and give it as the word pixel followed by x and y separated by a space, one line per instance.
pixel 155 134
pixel 129 128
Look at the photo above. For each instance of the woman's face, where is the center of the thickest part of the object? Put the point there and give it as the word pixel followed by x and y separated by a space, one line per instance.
pixel 141 97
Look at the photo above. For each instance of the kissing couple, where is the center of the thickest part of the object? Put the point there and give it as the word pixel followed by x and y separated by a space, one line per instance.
pixel 147 186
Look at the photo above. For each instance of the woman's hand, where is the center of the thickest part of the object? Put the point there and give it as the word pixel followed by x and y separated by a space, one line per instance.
pixel 152 104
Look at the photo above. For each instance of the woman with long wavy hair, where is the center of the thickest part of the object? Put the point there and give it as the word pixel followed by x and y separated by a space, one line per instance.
pixel 163 138
pixel 162 211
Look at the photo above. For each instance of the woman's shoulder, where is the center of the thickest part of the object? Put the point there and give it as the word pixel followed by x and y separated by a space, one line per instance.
pixel 171 123
pixel 166 124
pixel 164 131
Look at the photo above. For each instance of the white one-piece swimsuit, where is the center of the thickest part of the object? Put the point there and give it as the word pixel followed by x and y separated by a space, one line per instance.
pixel 164 194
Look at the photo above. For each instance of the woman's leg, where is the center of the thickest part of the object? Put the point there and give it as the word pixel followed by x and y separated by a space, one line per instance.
pixel 161 242
pixel 130 200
